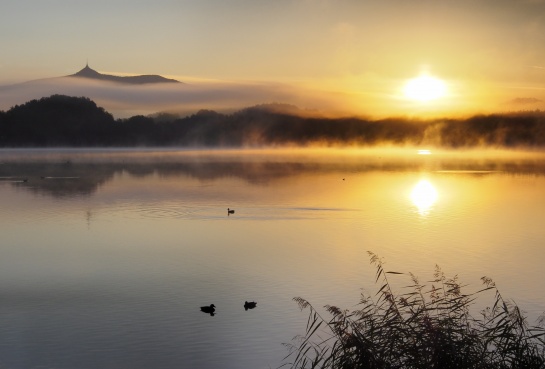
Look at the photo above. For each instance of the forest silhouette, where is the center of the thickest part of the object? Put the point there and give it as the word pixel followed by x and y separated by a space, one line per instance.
pixel 67 121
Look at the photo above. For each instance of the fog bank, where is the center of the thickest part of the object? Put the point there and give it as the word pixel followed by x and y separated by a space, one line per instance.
pixel 128 100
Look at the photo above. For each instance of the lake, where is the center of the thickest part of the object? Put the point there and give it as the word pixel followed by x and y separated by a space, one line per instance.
pixel 107 255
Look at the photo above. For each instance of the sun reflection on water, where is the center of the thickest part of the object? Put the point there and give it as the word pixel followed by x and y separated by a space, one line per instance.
pixel 423 196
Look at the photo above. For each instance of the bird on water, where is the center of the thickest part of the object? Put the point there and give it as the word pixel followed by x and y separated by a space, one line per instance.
pixel 209 309
pixel 249 305
pixel 230 211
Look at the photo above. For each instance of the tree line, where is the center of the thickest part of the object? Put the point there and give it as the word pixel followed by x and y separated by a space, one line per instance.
pixel 61 120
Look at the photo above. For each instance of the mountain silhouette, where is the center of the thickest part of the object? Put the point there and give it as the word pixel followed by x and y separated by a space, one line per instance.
pixel 90 73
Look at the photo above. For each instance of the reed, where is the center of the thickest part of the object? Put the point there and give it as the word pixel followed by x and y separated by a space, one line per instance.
pixel 430 326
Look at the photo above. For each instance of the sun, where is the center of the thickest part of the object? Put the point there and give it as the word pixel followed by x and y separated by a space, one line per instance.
pixel 425 88
pixel 424 195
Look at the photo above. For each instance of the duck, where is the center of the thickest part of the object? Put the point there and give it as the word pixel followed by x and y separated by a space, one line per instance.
pixel 208 309
pixel 249 305
pixel 230 211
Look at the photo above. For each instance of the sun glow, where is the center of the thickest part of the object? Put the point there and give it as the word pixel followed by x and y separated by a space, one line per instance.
pixel 423 196
pixel 425 88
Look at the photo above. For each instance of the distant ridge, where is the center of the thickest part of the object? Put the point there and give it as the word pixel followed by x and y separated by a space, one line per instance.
pixel 67 121
pixel 90 73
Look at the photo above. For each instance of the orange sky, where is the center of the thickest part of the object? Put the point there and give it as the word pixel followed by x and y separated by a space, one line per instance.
pixel 348 56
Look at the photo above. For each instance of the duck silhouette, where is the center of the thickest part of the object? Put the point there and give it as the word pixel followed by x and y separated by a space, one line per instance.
pixel 209 309
pixel 230 211
pixel 249 305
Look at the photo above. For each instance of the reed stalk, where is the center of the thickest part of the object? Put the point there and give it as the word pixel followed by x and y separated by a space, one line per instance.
pixel 429 326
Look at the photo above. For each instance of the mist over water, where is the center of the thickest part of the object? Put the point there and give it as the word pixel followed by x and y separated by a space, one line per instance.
pixel 108 254
pixel 65 121
pixel 128 100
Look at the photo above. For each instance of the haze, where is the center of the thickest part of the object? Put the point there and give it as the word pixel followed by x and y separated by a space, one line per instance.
pixel 343 57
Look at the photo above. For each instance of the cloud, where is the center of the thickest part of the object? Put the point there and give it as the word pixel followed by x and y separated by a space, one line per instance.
pixel 128 100
pixel 525 101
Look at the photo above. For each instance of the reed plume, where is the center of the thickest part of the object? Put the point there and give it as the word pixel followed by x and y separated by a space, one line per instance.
pixel 430 326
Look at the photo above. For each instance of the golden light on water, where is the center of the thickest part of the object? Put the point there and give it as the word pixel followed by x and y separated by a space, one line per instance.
pixel 425 88
pixel 423 196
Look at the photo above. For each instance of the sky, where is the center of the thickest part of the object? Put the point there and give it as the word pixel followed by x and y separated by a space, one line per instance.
pixel 343 56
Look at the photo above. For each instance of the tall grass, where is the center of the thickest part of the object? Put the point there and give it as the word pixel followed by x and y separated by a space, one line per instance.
pixel 430 326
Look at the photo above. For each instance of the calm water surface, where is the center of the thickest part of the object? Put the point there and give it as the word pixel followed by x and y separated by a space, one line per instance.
pixel 108 257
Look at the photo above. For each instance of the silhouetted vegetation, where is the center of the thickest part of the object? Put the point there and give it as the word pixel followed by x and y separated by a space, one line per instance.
pixel 426 327
pixel 57 120
pixel 70 121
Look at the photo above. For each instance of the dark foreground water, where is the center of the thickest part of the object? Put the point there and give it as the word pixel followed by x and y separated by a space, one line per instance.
pixel 107 255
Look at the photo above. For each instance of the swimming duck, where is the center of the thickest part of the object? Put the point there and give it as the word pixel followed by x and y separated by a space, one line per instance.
pixel 230 211
pixel 249 305
pixel 208 309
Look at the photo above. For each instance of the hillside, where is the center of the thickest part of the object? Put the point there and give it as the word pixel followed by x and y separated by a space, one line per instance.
pixel 77 121
pixel 89 73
